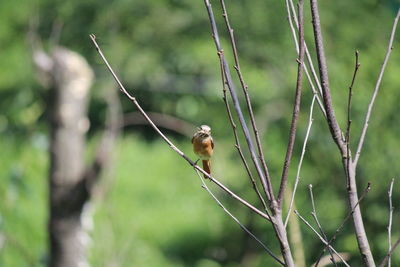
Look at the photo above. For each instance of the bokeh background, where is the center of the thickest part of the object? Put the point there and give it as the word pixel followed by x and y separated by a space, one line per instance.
pixel 149 209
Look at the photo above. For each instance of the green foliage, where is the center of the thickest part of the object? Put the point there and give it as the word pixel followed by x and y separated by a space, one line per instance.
pixel 23 198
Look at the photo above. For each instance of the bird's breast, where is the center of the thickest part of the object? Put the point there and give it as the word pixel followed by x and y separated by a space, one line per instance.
pixel 203 147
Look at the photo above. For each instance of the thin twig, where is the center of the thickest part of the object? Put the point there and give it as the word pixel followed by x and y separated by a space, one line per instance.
pixel 321 238
pixel 293 16
pixel 390 220
pixel 204 185
pixel 385 260
pixel 244 88
pixel 162 120
pixel 314 214
pixel 171 145
pixel 309 59
pixel 265 180
pixel 237 142
pixel 303 152
pixel 340 228
pixel 296 110
pixel 348 156
pixel 376 90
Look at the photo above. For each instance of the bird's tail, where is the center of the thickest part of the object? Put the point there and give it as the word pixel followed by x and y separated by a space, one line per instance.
pixel 207 167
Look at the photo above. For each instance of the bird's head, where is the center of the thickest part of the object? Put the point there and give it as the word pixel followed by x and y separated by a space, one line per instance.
pixel 204 130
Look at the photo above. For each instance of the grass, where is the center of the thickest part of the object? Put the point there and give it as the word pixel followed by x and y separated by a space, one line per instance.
pixel 149 209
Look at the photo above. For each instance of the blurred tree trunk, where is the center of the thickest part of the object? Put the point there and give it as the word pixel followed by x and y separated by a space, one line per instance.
pixel 71 80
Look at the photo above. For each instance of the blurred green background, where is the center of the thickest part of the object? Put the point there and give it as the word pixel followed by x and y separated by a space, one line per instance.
pixel 150 209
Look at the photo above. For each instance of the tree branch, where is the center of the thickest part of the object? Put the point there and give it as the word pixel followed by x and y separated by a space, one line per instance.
pixel 237 142
pixel 276 219
pixel 323 72
pixel 321 238
pixel 385 260
pixel 340 228
pixel 376 90
pixel 171 145
pixel 303 152
pixel 296 109
pixel 244 88
pixel 390 220
pixel 293 16
pixel 357 66
pixel 165 121
pixel 204 185
pixel 336 133
pixel 314 214
pixel 265 180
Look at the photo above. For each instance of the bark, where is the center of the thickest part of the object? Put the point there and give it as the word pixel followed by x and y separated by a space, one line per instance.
pixel 71 79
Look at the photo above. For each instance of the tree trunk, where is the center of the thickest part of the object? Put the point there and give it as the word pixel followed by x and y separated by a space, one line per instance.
pixel 71 80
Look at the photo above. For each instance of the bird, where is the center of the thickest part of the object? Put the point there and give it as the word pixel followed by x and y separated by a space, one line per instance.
pixel 203 146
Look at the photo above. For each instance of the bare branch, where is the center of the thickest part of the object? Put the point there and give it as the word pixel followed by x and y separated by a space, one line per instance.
pixel 293 16
pixel 356 67
pixel 162 120
pixel 171 145
pixel 387 257
pixel 237 142
pixel 340 228
pixel 296 109
pixel 348 156
pixel 376 90
pixel 326 260
pixel 303 152
pixel 321 238
pixel 204 185
pixel 245 88
pixel 390 220
pixel 336 133
pixel 314 214
pixel 309 59
pixel 323 72
pixel 265 180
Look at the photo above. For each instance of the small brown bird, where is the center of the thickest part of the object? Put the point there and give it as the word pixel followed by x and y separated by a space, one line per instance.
pixel 203 146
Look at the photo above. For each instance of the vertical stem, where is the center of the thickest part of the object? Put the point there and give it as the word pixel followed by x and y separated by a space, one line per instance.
pixel 334 128
pixel 292 14
pixel 390 221
pixel 265 181
pixel 340 228
pixel 389 254
pixel 296 108
pixel 348 156
pixel 361 235
pixel 323 72
pixel 303 152
pixel 245 89
pixel 237 142
pixel 281 234
pixel 295 236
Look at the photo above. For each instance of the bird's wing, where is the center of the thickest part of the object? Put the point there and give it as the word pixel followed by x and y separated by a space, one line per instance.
pixel 212 142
